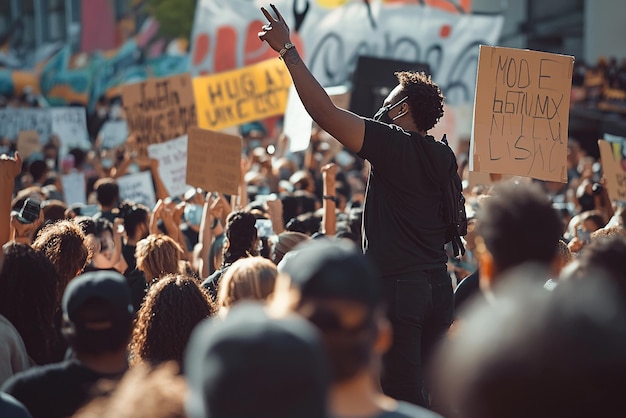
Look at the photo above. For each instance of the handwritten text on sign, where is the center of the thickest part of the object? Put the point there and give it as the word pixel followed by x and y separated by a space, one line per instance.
pixel 158 110
pixel 235 97
pixel 172 157
pixel 521 113
pixel 214 161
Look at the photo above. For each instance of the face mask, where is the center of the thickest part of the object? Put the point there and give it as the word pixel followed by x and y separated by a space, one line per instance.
pixel 107 163
pixel 193 214
pixel 133 168
pixel 102 113
pixel 116 111
pixel 383 113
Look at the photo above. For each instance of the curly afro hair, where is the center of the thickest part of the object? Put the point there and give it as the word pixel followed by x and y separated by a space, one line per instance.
pixel 425 98
pixel 171 310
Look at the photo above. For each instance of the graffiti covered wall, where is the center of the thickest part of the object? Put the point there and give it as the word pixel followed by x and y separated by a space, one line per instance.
pixel 331 34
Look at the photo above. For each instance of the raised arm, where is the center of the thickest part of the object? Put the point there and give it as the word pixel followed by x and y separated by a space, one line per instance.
pixel 329 202
pixel 9 169
pixel 345 126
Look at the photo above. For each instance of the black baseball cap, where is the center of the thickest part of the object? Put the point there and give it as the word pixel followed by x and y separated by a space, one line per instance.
pixel 333 269
pixel 251 365
pixel 106 285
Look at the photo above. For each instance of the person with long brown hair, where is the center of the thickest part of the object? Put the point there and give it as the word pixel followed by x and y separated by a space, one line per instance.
pixel 158 255
pixel 28 298
pixel 172 308
pixel 65 246
pixel 251 278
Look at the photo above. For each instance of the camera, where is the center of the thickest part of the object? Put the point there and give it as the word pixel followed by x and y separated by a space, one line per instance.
pixel 29 212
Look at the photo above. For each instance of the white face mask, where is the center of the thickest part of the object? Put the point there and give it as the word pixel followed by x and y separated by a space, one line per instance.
pixel 133 168
pixel 116 111
pixel 102 113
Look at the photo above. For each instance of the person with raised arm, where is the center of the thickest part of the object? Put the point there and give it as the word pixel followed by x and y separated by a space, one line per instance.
pixel 403 227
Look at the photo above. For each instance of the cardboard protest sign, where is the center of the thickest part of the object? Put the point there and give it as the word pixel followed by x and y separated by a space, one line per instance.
pixel 214 161
pixel 74 189
pixel 477 178
pixel 70 125
pixel 137 188
pixel 158 110
pixel 239 96
pixel 113 134
pixel 172 157
pixel 28 143
pixel 614 172
pixel 521 113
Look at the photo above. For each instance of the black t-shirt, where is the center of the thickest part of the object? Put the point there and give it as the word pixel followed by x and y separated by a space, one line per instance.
pixel 191 236
pixel 403 230
pixel 211 283
pixel 54 391
pixel 136 278
pixel 467 290
pixel 128 252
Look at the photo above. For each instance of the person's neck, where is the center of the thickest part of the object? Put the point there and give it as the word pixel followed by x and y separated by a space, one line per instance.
pixel 358 397
pixel 108 208
pixel 107 363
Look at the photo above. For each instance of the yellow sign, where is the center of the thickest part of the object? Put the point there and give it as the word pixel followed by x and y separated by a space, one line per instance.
pixel 521 113
pixel 245 95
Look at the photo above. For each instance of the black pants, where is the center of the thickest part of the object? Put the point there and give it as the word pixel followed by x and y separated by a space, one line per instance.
pixel 420 308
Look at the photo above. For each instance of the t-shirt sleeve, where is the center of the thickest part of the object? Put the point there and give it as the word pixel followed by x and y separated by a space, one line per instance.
pixel 377 146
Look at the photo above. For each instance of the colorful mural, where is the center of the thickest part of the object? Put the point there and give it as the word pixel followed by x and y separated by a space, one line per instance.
pixel 331 34
pixel 111 53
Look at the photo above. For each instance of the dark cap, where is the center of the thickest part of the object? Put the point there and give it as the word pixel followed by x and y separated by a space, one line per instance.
pixel 333 269
pixel 108 286
pixel 251 365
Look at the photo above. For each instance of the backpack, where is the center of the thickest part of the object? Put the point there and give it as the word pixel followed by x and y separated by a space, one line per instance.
pixel 453 208
pixel 453 202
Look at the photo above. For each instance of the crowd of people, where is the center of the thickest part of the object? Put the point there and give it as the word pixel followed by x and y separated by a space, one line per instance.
pixel 324 288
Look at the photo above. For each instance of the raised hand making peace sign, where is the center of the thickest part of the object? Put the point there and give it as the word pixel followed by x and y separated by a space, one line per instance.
pixel 276 31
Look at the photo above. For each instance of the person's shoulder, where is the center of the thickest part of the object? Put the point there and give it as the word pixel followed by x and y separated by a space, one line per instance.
pixel 210 281
pixel 407 410
pixel 375 129
pixel 11 407
pixel 37 375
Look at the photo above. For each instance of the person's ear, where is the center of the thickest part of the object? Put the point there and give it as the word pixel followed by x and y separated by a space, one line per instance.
pixel 384 336
pixel 485 263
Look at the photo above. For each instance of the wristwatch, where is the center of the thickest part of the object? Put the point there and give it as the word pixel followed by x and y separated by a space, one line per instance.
pixel 286 48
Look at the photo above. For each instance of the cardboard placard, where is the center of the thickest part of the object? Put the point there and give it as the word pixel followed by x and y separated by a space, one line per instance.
pixel 521 113
pixel 477 178
pixel 214 161
pixel 74 189
pixel 245 95
pixel 158 110
pixel 137 188
pixel 28 143
pixel 172 157
pixel 614 173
